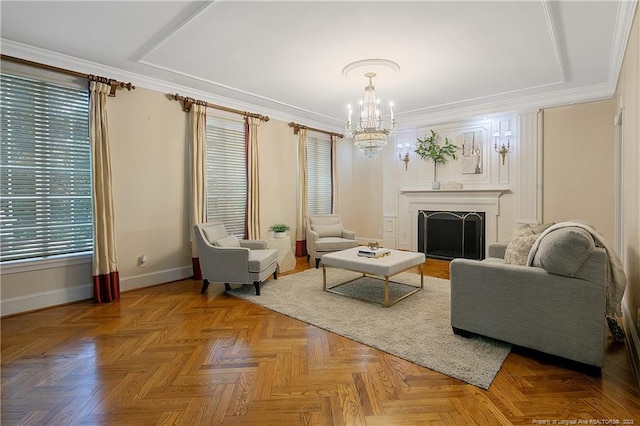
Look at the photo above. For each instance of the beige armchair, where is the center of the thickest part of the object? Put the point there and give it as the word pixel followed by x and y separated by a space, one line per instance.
pixel 225 258
pixel 325 234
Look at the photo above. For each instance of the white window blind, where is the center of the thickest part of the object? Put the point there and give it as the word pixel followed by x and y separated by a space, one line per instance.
pixel 226 173
pixel 45 186
pixel 318 175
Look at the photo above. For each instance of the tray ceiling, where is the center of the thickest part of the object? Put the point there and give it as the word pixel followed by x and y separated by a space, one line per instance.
pixel 289 56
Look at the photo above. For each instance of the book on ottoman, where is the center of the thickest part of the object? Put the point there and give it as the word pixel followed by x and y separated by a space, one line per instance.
pixel 368 252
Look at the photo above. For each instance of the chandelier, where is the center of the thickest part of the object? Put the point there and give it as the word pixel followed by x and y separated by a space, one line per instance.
pixel 369 134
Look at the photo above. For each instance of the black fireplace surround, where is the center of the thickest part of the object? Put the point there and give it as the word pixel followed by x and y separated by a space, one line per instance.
pixel 449 235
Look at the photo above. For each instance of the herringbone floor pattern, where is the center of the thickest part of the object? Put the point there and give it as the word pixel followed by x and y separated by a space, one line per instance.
pixel 168 355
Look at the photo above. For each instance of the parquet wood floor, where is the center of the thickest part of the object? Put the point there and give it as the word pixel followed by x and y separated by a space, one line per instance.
pixel 168 355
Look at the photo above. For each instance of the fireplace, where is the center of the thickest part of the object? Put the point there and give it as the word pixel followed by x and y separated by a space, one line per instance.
pixel 451 234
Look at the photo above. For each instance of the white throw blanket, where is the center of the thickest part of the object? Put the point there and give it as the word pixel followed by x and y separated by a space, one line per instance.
pixel 616 282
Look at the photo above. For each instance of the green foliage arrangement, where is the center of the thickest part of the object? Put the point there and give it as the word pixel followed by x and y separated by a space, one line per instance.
pixel 429 148
pixel 279 227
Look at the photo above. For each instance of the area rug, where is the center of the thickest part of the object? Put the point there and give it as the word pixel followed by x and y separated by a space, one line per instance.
pixel 417 329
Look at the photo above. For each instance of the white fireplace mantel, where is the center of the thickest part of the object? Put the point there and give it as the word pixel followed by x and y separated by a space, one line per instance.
pixel 485 200
pixel 477 190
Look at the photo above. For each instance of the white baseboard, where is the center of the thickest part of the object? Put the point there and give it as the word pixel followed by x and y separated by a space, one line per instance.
pixel 52 298
pixel 45 299
pixel 633 341
pixel 155 278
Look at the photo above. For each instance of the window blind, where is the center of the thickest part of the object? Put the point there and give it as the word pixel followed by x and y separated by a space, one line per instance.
pixel 226 173
pixel 318 175
pixel 45 181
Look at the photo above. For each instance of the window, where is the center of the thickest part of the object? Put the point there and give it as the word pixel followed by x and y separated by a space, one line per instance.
pixel 318 175
pixel 226 173
pixel 45 182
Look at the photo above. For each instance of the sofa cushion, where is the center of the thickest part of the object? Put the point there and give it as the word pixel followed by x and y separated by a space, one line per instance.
pixel 260 259
pixel 334 244
pixel 519 246
pixel 334 230
pixel 564 251
pixel 228 241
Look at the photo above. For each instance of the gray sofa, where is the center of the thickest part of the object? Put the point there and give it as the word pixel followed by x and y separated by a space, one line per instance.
pixel 555 306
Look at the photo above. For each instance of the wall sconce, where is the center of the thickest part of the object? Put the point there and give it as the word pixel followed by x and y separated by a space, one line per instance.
pixel 504 149
pixel 403 153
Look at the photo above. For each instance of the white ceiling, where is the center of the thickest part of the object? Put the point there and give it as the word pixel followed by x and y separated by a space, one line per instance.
pixel 287 57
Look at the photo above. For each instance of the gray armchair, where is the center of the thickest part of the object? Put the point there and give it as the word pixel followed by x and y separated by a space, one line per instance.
pixel 556 305
pixel 325 234
pixel 227 259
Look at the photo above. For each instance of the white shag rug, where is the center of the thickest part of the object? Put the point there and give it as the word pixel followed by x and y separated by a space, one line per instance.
pixel 417 329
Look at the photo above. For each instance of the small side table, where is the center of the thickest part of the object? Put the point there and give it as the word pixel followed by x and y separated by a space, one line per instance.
pixel 286 259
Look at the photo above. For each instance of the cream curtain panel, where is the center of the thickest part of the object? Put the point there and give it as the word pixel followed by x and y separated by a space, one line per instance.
pixel 106 279
pixel 197 148
pixel 253 187
pixel 301 231
pixel 334 175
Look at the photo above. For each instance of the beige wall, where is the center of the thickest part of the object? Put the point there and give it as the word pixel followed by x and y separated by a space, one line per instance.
pixel 627 102
pixel 360 188
pixel 278 156
pixel 148 134
pixel 578 165
pixel 149 162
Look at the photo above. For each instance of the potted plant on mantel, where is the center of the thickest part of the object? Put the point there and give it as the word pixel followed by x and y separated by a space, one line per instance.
pixel 279 230
pixel 439 154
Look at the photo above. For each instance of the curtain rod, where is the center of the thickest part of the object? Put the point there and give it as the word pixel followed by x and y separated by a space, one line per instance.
pixel 297 127
pixel 188 102
pixel 115 84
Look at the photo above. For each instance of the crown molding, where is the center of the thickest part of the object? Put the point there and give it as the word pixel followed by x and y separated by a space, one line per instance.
pixel 469 109
pixel 275 110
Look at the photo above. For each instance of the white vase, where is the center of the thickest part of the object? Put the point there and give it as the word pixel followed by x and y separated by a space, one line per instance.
pixel 279 234
pixel 436 183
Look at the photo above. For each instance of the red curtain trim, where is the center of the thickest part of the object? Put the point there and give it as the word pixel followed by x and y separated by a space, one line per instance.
pixel 301 248
pixel 106 287
pixel 197 273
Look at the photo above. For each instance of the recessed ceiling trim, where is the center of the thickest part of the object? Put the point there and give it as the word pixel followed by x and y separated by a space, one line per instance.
pixel 488 98
pixel 558 42
pixel 234 89
pixel 155 42
pixel 621 33
pixel 534 102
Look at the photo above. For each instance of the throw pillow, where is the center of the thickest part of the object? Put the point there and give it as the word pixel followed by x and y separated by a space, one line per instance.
pixel 519 246
pixel 213 232
pixel 328 230
pixel 230 241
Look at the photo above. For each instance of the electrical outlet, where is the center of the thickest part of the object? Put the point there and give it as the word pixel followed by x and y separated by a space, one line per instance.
pixel 142 261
